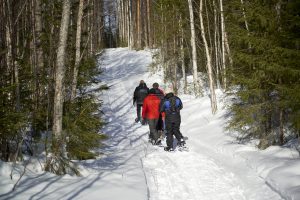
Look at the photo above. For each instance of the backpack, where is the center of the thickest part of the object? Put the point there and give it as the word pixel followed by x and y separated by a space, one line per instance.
pixel 174 104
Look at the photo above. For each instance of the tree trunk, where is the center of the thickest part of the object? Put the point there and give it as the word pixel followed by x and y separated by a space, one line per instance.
pixel 149 23
pixel 59 145
pixel 197 87
pixel 223 44
pixel 213 99
pixel 131 43
pixel 77 53
pixel 182 58
pixel 216 30
pixel 138 21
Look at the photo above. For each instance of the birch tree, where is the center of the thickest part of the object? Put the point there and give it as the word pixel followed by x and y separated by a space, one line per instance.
pixel 223 43
pixel 56 162
pixel 213 100
pixel 197 85
pixel 77 54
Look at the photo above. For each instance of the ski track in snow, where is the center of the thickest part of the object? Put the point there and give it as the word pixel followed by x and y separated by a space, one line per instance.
pixel 168 175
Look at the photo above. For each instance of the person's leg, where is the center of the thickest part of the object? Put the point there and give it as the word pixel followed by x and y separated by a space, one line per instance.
pixel 138 112
pixel 169 134
pixel 178 134
pixel 152 126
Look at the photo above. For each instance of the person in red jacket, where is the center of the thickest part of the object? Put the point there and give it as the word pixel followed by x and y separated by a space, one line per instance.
pixel 151 114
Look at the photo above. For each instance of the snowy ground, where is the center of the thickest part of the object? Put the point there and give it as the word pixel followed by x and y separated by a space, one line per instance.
pixel 215 167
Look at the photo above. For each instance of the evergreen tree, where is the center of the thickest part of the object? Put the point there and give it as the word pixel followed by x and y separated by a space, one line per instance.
pixel 264 36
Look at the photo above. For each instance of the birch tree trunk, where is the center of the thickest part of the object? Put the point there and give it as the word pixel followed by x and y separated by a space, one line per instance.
pixel 213 100
pixel 138 21
pixel 182 58
pixel 223 44
pixel 77 53
pixel 59 76
pixel 149 23
pixel 197 88
pixel 131 25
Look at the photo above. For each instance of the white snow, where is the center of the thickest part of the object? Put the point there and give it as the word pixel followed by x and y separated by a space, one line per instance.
pixel 216 167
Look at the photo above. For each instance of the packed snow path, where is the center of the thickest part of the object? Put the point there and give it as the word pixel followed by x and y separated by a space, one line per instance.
pixel 130 168
pixel 168 175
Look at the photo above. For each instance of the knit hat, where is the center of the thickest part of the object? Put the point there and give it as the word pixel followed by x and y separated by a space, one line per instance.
pixel 152 91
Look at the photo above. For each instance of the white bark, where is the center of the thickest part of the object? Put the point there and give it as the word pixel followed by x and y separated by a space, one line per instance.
pixel 149 23
pixel 197 88
pixel 131 25
pixel 60 73
pixel 213 99
pixel 182 58
pixel 223 43
pixel 77 46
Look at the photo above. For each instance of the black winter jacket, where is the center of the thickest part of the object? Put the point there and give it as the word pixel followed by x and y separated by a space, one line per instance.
pixel 140 93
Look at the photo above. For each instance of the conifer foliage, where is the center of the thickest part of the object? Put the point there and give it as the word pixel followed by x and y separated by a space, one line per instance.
pixel 264 37
pixel 29 59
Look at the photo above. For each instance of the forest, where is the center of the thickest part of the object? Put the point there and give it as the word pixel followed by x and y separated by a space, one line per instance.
pixel 48 50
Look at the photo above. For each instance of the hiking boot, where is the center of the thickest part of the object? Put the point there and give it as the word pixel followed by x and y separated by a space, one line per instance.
pixel 144 122
pixel 137 120
pixel 168 149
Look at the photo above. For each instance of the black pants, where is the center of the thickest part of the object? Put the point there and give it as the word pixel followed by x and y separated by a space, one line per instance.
pixel 173 128
pixel 153 129
pixel 138 111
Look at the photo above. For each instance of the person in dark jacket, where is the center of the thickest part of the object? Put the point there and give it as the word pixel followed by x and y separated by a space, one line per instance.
pixel 159 92
pixel 151 114
pixel 172 105
pixel 139 95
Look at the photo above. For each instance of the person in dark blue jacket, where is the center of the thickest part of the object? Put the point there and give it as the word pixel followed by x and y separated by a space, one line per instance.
pixel 172 105
pixel 139 95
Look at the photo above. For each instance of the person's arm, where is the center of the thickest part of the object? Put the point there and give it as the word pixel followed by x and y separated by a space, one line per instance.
pixel 135 95
pixel 180 103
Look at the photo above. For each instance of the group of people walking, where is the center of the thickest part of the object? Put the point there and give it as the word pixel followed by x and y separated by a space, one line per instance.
pixel 162 113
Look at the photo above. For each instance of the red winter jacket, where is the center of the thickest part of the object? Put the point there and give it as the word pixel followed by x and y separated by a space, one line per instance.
pixel 151 107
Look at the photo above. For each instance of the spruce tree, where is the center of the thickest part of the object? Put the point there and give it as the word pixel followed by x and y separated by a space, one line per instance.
pixel 266 72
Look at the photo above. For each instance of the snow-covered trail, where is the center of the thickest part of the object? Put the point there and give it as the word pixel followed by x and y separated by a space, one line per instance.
pixel 180 175
pixel 131 168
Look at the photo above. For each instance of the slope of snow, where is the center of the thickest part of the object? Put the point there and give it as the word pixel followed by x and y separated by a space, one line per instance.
pixel 215 167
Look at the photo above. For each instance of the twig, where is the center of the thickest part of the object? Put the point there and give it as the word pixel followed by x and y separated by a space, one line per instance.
pixel 21 174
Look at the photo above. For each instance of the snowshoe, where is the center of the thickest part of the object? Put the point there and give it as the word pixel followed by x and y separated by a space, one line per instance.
pixel 158 143
pixel 181 143
pixel 168 149
pixel 185 138
pixel 182 146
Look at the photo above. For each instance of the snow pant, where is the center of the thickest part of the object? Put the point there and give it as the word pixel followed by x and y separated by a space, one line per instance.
pixel 160 123
pixel 138 111
pixel 173 128
pixel 153 129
